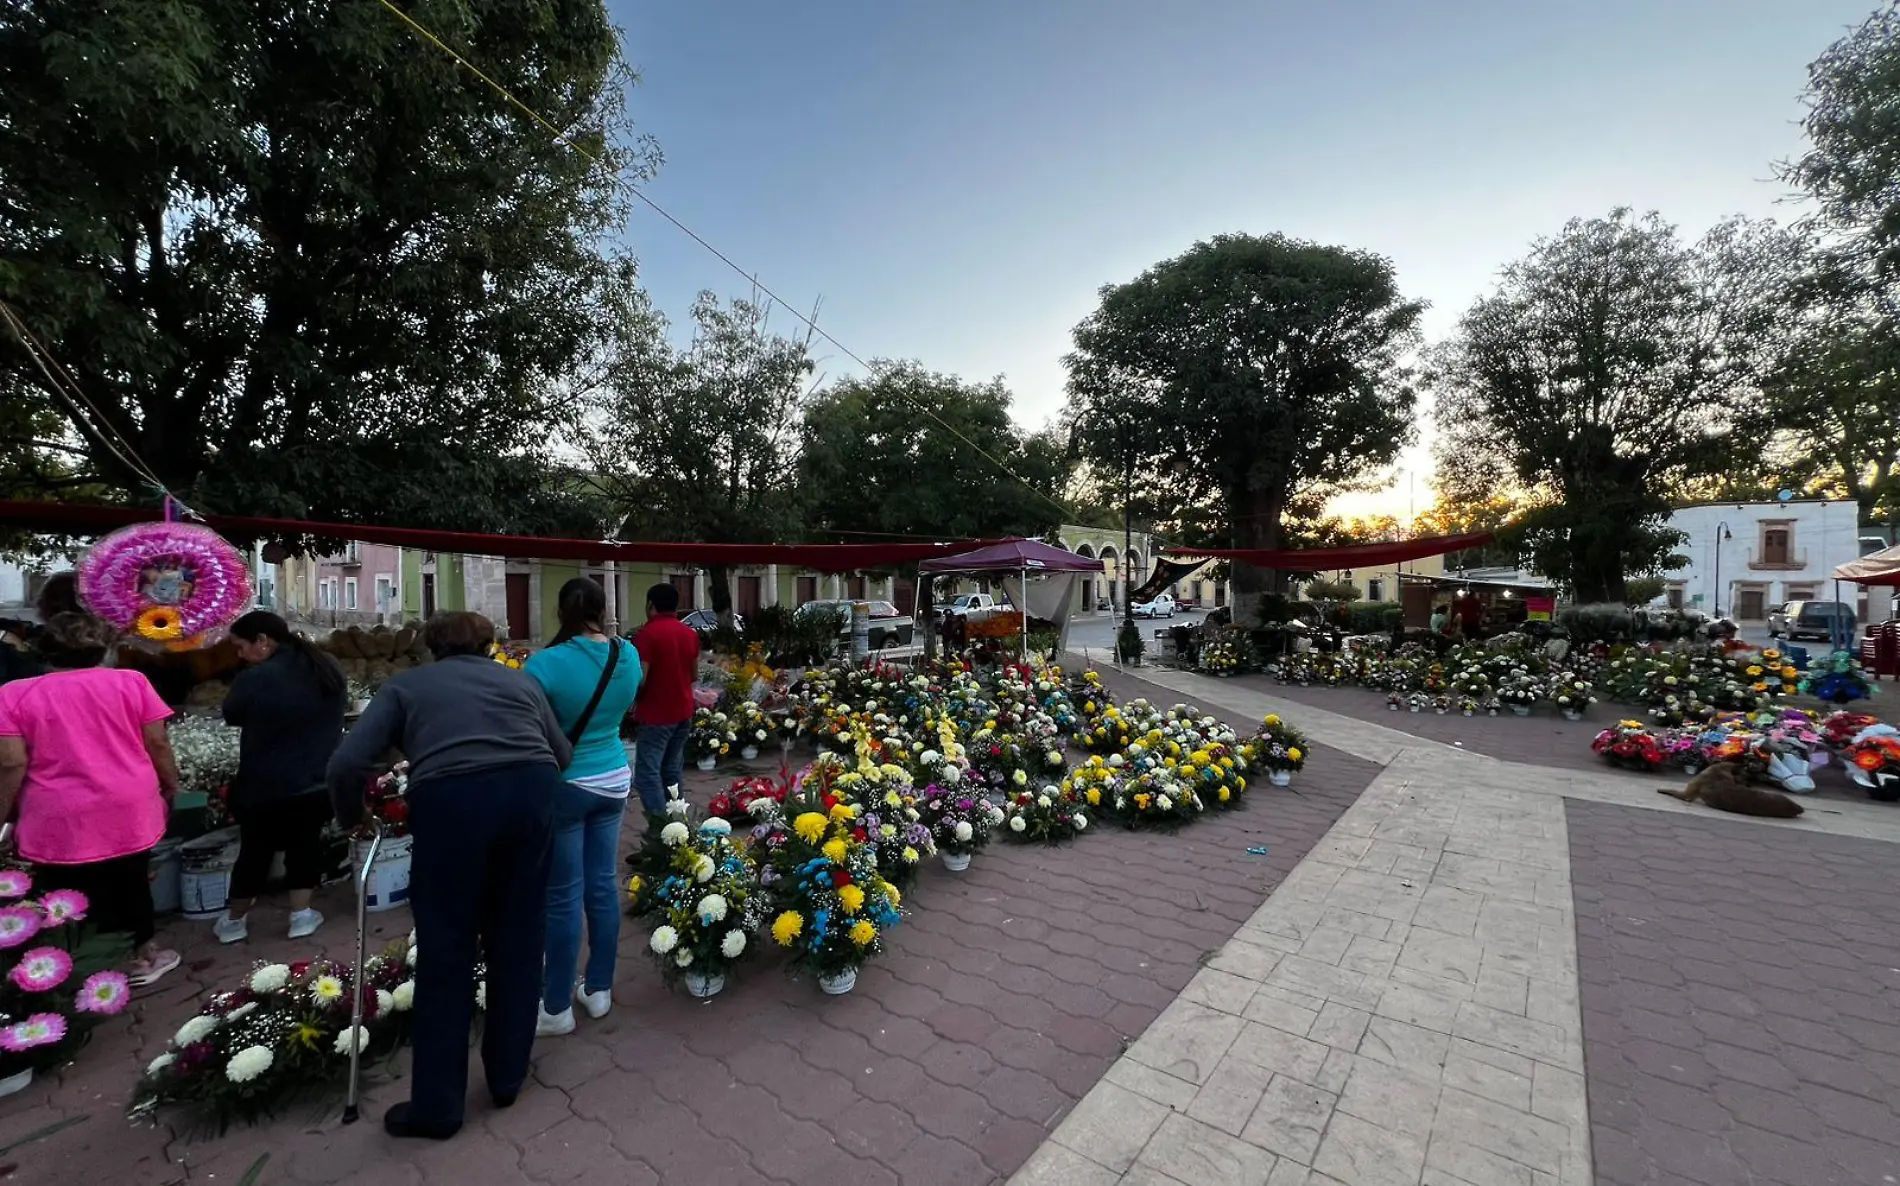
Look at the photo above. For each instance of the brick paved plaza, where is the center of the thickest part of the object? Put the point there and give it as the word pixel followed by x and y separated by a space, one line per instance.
pixel 1469 964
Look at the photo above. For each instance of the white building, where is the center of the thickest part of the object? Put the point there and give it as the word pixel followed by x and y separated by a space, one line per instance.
pixel 1747 558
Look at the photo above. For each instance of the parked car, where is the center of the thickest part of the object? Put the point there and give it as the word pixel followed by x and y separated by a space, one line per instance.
pixel 975 607
pixel 704 622
pixel 890 626
pixel 1161 607
pixel 1811 619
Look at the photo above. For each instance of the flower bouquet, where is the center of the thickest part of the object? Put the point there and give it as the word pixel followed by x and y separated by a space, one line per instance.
pixel 384 801
pixel 832 906
pixel 1573 694
pixel 709 903
pixel 1049 816
pixel 1629 744
pixel 1155 798
pixel 959 821
pixel 1281 748
pixel 711 738
pixel 282 1034
pixel 1839 729
pixel 1838 679
pixel 1690 746
pixel 1520 691
pixel 1218 772
pixel 735 802
pixel 750 726
pixel 53 987
pixel 1873 761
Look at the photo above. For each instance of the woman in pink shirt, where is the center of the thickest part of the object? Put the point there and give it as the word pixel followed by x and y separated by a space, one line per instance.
pixel 84 757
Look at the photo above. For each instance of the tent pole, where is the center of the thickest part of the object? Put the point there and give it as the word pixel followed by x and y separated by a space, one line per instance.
pixel 1022 652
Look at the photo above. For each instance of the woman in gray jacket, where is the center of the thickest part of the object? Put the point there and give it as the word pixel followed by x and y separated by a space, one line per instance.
pixel 485 758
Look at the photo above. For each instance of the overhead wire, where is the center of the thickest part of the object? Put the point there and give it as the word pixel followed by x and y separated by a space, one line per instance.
pixel 562 138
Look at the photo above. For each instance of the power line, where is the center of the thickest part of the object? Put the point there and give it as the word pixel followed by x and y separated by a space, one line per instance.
pixel 563 139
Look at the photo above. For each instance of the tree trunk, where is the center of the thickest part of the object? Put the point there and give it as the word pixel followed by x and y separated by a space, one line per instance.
pixel 1256 516
pixel 719 588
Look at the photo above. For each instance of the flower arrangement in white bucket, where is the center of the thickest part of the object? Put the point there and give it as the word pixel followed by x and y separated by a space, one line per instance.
pixel 709 906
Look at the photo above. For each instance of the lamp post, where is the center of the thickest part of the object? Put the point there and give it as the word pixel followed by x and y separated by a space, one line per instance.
pixel 1721 533
pixel 1128 518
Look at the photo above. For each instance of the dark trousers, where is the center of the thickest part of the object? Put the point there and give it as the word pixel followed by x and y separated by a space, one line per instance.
pixel 478 888
pixel 292 826
pixel 118 893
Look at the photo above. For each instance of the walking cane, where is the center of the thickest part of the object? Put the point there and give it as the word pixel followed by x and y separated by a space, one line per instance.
pixel 350 1110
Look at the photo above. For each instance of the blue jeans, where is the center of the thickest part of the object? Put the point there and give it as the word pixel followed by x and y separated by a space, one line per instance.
pixel 659 762
pixel 584 879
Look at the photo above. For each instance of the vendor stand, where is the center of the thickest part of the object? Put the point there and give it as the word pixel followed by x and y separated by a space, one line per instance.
pixel 1014 561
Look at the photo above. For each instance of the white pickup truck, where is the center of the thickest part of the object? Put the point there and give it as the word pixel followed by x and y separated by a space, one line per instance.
pixel 975 607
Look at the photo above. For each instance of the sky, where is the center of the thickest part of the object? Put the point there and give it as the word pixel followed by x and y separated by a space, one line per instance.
pixel 955 182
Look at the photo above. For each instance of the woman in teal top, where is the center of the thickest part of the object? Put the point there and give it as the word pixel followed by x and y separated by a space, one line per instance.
pixel 582 669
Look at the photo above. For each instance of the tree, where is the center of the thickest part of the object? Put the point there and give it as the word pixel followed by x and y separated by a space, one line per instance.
pixel 1248 380
pixel 1608 367
pixel 911 453
pixel 1852 167
pixel 295 256
pixel 701 443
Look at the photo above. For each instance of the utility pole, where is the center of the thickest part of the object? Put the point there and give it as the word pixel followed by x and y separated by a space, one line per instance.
pixel 1128 518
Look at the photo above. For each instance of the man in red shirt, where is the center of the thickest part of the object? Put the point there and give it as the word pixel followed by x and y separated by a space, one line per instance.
pixel 663 710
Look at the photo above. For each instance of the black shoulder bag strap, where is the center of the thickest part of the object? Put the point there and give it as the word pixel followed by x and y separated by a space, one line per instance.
pixel 600 689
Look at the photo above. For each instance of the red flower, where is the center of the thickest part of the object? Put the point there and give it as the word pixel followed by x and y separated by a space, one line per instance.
pixel 300 967
pixel 858 834
pixel 840 878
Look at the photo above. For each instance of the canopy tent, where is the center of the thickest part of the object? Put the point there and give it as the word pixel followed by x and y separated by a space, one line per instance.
pixel 1052 599
pixel 1877 568
pixel 1352 556
pixel 68 519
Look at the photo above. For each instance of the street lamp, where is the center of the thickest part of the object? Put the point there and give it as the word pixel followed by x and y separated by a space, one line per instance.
pixel 1128 518
pixel 1721 533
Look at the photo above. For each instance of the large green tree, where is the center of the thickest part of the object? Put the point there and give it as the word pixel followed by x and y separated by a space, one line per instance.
pixel 1611 365
pixel 910 453
pixel 1244 382
pixel 300 261
pixel 700 442
pixel 1851 168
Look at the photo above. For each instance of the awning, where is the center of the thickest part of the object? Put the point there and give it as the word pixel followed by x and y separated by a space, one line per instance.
pixel 68 519
pixel 1013 555
pixel 1353 556
pixel 1877 568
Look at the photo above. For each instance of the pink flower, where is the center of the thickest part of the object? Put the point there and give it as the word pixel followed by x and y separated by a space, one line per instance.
pixel 42 968
pixel 63 906
pixel 104 992
pixel 41 1029
pixel 17 925
pixel 14 883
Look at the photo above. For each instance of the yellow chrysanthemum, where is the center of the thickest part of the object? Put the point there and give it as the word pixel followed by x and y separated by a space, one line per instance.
pixel 635 884
pixel 1225 794
pixel 1142 800
pixel 842 812
pixel 852 897
pixel 1094 797
pixel 863 933
pixel 787 926
pixel 910 855
pixel 1755 669
pixel 811 827
pixel 1272 719
pixel 890 891
pixel 1789 673
pixel 837 850
pixel 1293 752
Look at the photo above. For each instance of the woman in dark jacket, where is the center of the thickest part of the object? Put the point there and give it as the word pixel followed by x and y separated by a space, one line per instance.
pixel 290 706
pixel 485 759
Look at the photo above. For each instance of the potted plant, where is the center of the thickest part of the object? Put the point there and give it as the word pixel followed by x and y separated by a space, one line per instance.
pixel 1048 816
pixel 831 906
pixel 1573 693
pixel 1281 749
pixel 710 739
pixel 53 986
pixel 959 821
pixel 1129 647
pixel 384 802
pixel 709 907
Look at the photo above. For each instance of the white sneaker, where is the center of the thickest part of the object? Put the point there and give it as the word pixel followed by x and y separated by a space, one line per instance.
pixel 553 1025
pixel 304 922
pixel 596 1003
pixel 232 930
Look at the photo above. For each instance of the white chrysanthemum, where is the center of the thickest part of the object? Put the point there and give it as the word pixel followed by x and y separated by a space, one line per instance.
pixel 351 1037
pixel 248 1063
pixel 242 1011
pixel 715 827
pixel 676 808
pixel 733 945
pixel 704 870
pixel 951 776
pixel 683 957
pixel 1081 821
pixel 1165 803
pixel 1115 760
pixel 1017 824
pixel 665 939
pixel 385 1001
pixel 963 831
pixel 1045 802
pixel 404 998
pixel 712 908
pixel 929 757
pixel 673 835
pixel 271 977
pixel 160 1063
pixel 1020 778
pixel 995 813
pixel 481 996
pixel 195 1030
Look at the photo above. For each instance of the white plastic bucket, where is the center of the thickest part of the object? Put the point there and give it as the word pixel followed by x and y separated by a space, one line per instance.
pixel 388 885
pixel 204 880
pixel 164 877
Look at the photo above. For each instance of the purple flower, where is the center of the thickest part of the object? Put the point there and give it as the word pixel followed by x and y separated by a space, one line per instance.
pixel 41 1029
pixel 964 804
pixel 63 906
pixel 104 992
pixel 17 925
pixel 42 968
pixel 14 883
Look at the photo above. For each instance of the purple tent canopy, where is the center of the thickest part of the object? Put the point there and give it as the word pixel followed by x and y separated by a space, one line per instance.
pixel 1014 555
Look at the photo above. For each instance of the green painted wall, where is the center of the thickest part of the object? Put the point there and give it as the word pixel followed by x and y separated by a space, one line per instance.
pixel 554 574
pixel 411 583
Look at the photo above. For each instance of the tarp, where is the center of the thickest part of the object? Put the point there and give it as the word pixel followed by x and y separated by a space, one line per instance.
pixel 1354 556
pixel 1013 555
pixel 66 519
pixel 1877 568
pixel 1166 573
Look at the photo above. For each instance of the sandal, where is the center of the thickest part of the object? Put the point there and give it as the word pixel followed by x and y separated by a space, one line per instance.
pixel 148 972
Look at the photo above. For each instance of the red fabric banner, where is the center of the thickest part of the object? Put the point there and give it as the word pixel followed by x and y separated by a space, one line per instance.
pixel 1354 556
pixel 97 520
